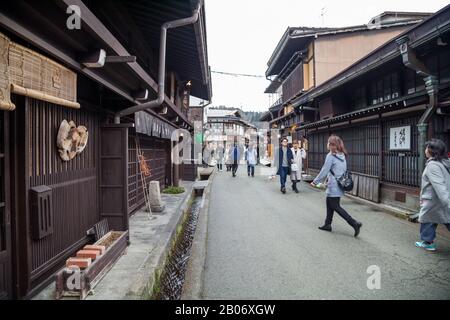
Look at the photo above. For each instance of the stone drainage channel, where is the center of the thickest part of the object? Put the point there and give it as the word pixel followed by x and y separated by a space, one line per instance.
pixel 173 274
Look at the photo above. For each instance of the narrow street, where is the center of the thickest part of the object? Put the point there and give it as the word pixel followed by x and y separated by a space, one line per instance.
pixel 262 244
pixel 115 117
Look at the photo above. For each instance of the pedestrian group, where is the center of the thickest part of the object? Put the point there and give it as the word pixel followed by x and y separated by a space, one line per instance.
pixel 336 179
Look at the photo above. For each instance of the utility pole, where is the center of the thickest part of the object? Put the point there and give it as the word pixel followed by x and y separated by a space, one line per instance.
pixel 322 15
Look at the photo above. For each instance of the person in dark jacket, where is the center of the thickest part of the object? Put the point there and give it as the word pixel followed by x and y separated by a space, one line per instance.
pixel 285 159
pixel 235 156
pixel 434 194
pixel 335 166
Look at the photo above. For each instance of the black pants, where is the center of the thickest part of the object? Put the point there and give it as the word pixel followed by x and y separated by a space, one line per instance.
pixel 234 168
pixel 219 166
pixel 333 204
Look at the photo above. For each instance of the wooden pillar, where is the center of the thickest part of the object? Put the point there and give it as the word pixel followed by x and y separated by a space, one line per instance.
pixel 380 148
pixel 21 184
pixel 5 250
pixel 176 168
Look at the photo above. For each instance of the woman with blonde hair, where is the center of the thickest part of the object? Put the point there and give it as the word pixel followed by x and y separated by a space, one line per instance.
pixel 334 167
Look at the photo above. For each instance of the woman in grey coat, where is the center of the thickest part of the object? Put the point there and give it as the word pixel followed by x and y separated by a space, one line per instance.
pixel 434 194
pixel 335 166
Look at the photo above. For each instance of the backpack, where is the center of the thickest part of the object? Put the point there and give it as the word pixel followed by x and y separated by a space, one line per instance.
pixel 345 182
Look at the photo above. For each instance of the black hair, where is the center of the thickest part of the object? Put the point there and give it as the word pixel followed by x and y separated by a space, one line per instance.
pixel 284 139
pixel 437 149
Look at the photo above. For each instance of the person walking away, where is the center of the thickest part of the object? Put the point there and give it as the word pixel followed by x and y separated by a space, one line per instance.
pixel 335 166
pixel 235 154
pixel 207 155
pixel 297 166
pixel 251 157
pixel 228 158
pixel 434 193
pixel 285 159
pixel 219 157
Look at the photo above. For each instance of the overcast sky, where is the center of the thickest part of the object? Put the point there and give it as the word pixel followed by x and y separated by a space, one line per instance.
pixel 242 35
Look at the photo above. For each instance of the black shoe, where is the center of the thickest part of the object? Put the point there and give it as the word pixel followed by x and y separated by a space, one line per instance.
pixel 357 227
pixel 283 190
pixel 325 227
pixel 296 191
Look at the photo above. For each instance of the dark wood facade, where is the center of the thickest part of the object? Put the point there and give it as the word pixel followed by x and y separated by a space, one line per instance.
pixel 293 84
pixel 5 213
pixel 47 205
pixel 365 101
pixel 363 111
pixel 74 184
pixel 157 156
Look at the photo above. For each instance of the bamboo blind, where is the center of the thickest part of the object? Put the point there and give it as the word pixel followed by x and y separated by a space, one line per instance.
pixel 32 73
pixel 5 96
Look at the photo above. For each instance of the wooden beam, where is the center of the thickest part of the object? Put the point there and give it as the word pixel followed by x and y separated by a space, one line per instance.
pixel 43 96
pixel 101 32
pixel 42 44
pixel 141 94
pixel 116 14
pixel 120 59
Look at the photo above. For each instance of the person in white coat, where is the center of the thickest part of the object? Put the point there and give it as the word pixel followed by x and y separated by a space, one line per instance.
pixel 227 158
pixel 220 154
pixel 297 165
pixel 251 157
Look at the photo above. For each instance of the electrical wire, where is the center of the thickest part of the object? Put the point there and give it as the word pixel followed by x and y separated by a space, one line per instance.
pixel 238 74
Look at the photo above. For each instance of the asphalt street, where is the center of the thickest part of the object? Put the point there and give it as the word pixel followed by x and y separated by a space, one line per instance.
pixel 262 244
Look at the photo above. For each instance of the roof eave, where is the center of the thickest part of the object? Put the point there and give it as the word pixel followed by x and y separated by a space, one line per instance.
pixel 342 78
pixel 331 31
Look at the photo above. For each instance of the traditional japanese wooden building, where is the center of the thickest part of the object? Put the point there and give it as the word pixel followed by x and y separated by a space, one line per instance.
pixel 120 73
pixel 227 126
pixel 306 57
pixel 385 106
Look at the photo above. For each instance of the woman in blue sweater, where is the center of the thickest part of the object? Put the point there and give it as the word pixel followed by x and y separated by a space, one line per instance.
pixel 335 166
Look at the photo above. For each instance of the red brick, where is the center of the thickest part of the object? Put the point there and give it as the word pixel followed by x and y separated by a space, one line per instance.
pixel 100 249
pixel 93 254
pixel 82 263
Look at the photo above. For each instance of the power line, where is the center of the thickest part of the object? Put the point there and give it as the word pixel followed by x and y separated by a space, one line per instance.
pixel 238 74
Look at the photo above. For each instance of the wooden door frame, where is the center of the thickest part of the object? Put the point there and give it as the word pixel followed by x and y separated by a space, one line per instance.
pixel 21 245
pixel 7 209
pixel 119 217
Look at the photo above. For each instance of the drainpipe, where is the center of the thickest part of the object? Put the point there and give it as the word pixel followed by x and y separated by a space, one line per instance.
pixel 162 64
pixel 411 61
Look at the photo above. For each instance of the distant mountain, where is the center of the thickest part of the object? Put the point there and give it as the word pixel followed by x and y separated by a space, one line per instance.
pixel 253 116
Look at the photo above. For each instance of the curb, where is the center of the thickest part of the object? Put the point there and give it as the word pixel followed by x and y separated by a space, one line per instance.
pixel 192 289
pixel 396 212
pixel 148 281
